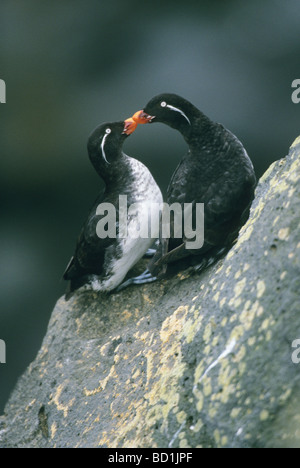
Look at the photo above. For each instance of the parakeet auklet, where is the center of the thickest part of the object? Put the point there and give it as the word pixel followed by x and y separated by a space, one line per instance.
pixel 216 171
pixel 101 264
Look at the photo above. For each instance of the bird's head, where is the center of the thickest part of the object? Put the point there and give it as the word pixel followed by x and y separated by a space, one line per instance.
pixel 106 141
pixel 167 108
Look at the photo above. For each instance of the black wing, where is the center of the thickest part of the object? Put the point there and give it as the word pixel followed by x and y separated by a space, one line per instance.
pixel 89 256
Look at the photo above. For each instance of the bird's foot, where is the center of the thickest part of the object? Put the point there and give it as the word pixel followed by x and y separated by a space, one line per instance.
pixel 209 260
pixel 144 278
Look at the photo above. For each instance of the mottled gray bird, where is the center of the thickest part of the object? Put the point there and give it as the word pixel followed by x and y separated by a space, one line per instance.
pixel 101 264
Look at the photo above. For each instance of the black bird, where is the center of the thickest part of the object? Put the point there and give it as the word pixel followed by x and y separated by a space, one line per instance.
pixel 101 264
pixel 216 171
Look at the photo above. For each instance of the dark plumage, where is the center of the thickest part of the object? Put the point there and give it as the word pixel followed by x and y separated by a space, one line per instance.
pixel 102 264
pixel 215 171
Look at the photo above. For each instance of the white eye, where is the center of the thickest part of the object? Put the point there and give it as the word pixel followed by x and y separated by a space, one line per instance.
pixel 108 130
pixel 163 104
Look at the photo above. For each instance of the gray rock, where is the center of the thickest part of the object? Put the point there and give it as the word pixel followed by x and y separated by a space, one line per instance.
pixel 195 360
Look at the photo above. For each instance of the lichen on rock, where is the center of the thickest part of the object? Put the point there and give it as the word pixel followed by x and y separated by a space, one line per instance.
pixel 192 361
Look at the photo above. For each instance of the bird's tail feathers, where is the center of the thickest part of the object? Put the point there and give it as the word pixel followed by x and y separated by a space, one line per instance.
pixel 75 284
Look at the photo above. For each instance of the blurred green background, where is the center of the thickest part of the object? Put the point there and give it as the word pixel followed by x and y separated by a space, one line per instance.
pixel 70 65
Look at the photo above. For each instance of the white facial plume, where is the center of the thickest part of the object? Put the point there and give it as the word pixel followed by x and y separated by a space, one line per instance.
pixel 107 132
pixel 164 104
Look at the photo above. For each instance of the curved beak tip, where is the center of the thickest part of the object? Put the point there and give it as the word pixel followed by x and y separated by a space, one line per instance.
pixel 141 117
pixel 129 126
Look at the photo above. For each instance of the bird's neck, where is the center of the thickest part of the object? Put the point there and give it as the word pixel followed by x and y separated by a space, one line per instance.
pixel 198 127
pixel 115 170
pixel 202 129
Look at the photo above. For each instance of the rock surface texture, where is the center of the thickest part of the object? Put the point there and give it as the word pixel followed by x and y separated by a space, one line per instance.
pixel 198 360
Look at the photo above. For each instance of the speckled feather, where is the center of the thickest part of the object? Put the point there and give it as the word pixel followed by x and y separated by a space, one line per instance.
pixel 102 264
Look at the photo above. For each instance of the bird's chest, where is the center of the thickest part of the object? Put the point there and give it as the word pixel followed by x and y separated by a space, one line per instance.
pixel 142 187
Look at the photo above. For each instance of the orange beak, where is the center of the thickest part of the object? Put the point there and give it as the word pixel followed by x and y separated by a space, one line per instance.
pixel 139 117
pixel 129 126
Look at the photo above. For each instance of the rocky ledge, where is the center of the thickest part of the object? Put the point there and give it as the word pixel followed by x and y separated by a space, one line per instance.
pixel 193 361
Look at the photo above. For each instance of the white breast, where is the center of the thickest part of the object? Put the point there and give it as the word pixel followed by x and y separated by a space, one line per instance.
pixel 149 198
